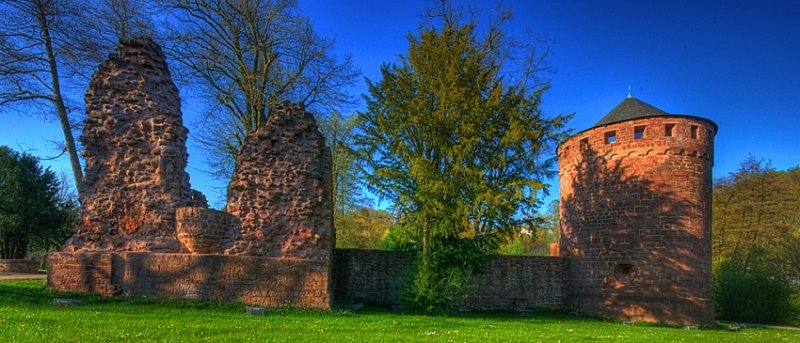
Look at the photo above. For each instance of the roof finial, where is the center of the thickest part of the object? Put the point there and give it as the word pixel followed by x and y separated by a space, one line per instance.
pixel 629 92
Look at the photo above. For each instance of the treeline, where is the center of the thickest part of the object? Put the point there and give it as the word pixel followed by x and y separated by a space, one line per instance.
pixel 756 243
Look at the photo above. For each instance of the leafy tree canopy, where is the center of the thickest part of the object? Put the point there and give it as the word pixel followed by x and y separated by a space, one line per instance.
pixel 756 207
pixel 455 137
pixel 32 213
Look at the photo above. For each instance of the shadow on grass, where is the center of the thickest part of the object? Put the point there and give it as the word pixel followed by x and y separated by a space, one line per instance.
pixel 29 293
pixel 33 294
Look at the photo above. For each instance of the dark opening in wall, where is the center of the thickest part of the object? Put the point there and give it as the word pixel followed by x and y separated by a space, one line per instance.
pixel 584 144
pixel 638 132
pixel 669 128
pixel 624 272
pixel 694 131
pixel 611 137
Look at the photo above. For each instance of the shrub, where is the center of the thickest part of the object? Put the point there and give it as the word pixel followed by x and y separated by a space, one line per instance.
pixel 442 274
pixel 750 291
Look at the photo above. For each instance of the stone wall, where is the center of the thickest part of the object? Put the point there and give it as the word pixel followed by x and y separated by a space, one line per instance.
pixel 281 189
pixel 635 218
pixel 84 272
pixel 372 275
pixel 521 282
pixel 250 279
pixel 203 230
pixel 135 150
pixel 18 266
pixel 377 276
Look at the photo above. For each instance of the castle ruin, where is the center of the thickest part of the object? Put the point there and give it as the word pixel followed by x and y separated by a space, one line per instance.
pixel 635 212
pixel 144 231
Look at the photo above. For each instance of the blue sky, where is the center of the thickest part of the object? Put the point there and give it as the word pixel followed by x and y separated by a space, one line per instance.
pixel 734 62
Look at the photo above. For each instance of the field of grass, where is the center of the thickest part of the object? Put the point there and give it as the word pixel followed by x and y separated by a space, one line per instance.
pixel 27 314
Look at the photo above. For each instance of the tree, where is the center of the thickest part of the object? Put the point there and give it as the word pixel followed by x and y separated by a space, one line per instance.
pixel 34 33
pixel 455 137
pixel 246 57
pixel 121 19
pixel 363 228
pixel 356 225
pixel 535 240
pixel 339 132
pixel 750 289
pixel 46 46
pixel 756 242
pixel 755 207
pixel 32 215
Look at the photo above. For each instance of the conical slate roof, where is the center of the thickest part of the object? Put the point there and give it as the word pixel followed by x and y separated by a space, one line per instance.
pixel 630 108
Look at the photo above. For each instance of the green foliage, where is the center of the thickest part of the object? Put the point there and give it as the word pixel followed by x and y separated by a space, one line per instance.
pixel 357 226
pixel 440 283
pixel 29 316
pixel 457 143
pixel 750 290
pixel 516 246
pixel 398 238
pixel 756 207
pixel 364 228
pixel 339 131
pixel 535 240
pixel 32 215
pixel 756 242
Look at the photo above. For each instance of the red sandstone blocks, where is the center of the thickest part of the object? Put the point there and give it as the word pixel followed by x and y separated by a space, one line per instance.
pixel 135 149
pixel 202 230
pixel 252 280
pixel 281 189
pixel 639 202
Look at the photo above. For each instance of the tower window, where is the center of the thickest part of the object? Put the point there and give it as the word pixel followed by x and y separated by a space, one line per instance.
pixel 611 137
pixel 669 130
pixel 584 144
pixel 694 131
pixel 638 132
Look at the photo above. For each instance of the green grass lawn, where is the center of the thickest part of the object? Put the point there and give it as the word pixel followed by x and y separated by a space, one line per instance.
pixel 27 314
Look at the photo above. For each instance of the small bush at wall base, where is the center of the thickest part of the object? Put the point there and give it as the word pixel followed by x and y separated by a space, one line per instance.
pixel 750 292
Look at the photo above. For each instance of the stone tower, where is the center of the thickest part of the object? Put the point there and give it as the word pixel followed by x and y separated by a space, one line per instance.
pixel 636 215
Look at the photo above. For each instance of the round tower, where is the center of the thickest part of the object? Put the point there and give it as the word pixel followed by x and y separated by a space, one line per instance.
pixel 636 215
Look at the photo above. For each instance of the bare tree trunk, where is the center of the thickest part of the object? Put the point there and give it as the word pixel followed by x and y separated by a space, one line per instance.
pixel 59 100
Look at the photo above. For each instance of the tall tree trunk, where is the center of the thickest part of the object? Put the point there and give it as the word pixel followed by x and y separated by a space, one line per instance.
pixel 77 173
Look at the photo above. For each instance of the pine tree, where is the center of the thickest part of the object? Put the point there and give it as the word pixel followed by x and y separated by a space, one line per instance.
pixel 458 144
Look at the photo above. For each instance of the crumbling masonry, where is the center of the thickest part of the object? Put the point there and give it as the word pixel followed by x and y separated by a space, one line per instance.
pixel 635 212
pixel 144 231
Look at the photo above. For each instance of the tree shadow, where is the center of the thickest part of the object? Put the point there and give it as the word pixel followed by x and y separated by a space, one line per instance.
pixel 636 234
pixel 253 280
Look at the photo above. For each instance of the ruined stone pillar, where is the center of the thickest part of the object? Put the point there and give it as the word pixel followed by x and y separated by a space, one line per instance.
pixel 135 150
pixel 281 189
